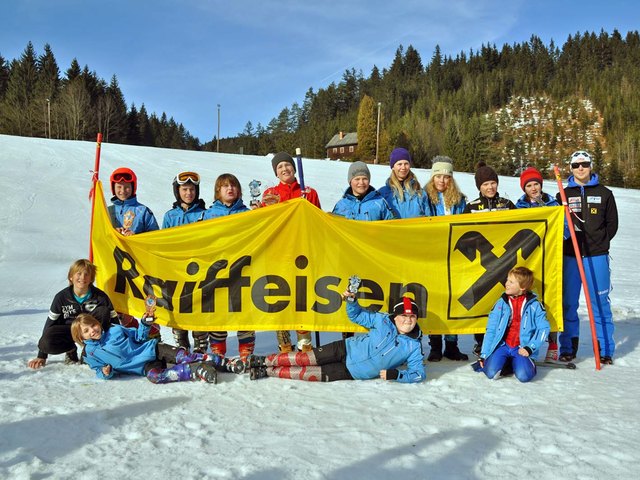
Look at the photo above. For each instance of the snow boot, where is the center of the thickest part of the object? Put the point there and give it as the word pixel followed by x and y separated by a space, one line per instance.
pixel 257 372
pixel 567 357
pixel 435 355
pixel 203 371
pixel 304 341
pixel 284 341
pixel 177 373
pixel 71 357
pixel 245 350
pixel 184 356
pixel 256 361
pixel 606 360
pixel 552 353
pixel 452 352
pixel 200 341
pixel 477 348
pixel 181 338
pixel 219 348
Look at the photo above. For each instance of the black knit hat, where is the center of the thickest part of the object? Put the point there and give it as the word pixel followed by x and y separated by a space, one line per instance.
pixel 282 157
pixel 405 307
pixel 485 173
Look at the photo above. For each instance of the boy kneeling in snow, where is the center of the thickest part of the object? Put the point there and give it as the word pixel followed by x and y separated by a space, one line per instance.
pixel 393 339
pixel 516 329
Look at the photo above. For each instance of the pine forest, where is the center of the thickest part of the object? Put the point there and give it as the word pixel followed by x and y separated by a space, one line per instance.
pixel 522 104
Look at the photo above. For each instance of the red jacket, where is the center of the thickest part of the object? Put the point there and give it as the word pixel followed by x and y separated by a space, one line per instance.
pixel 287 191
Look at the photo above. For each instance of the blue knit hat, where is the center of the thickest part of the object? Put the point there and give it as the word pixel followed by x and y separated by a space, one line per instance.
pixel 399 154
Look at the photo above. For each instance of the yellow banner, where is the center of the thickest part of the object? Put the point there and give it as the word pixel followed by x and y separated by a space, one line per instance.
pixel 285 267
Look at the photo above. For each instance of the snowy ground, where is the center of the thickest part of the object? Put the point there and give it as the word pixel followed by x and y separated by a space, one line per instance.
pixel 62 423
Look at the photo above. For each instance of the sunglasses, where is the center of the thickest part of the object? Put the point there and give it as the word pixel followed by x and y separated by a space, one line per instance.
pixel 123 177
pixel 575 165
pixel 184 177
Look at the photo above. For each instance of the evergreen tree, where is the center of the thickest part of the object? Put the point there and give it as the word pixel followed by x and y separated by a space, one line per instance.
pixel 18 113
pixel 4 77
pixel 133 127
pixel 367 128
pixel 147 137
pixel 113 113
pixel 46 92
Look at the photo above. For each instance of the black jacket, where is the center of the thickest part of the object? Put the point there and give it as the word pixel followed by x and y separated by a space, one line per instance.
pixel 594 215
pixel 484 204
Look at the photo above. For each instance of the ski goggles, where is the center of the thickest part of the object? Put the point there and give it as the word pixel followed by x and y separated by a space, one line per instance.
pixel 184 177
pixel 125 177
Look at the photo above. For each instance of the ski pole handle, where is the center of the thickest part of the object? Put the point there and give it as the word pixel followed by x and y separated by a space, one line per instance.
pixel 300 171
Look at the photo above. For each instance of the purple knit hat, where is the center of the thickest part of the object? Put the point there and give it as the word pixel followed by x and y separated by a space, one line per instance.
pixel 399 154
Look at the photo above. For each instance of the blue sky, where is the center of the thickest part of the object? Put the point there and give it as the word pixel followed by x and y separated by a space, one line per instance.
pixel 256 57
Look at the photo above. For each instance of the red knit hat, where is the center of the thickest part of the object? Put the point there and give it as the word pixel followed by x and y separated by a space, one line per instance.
pixel 530 175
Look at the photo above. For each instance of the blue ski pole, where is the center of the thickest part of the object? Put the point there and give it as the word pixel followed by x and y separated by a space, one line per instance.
pixel 300 171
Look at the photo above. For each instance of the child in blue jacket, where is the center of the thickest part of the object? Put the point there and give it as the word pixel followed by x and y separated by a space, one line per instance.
pixel 129 350
pixel 360 200
pixel 531 184
pixel 188 207
pixel 227 201
pixel 393 339
pixel 516 329
pixel 129 216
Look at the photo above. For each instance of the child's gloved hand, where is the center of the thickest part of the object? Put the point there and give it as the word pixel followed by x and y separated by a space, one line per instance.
pixel 478 366
pixel 146 320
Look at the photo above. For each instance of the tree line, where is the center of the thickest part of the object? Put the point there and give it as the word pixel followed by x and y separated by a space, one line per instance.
pixel 455 105
pixel 36 101
pixel 465 106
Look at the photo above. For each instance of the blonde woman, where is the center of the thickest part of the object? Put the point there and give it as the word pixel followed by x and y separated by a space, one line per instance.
pixel 444 198
pixel 402 190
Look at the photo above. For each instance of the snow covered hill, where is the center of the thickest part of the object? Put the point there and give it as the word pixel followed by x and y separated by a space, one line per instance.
pixel 62 423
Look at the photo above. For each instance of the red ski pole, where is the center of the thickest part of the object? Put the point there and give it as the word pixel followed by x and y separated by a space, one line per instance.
pixel 583 277
pixel 92 192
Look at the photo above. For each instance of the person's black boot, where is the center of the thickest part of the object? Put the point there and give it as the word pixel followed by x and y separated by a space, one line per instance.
pixel 452 352
pixel 574 346
pixel 435 355
pixel 477 348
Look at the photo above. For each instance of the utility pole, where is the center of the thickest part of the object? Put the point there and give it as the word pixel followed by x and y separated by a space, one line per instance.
pixel 218 137
pixel 377 135
pixel 49 116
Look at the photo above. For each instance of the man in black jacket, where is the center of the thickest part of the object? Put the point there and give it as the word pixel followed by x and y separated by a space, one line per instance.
pixel 595 218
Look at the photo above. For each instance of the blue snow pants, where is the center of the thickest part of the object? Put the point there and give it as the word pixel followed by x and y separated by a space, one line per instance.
pixel 523 367
pixel 598 276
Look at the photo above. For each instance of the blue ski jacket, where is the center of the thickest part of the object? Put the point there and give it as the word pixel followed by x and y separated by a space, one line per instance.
pixel 178 216
pixel 547 201
pixel 382 348
pixel 219 209
pixel 534 326
pixel 413 204
pixel 437 210
pixel 371 207
pixel 141 216
pixel 127 350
